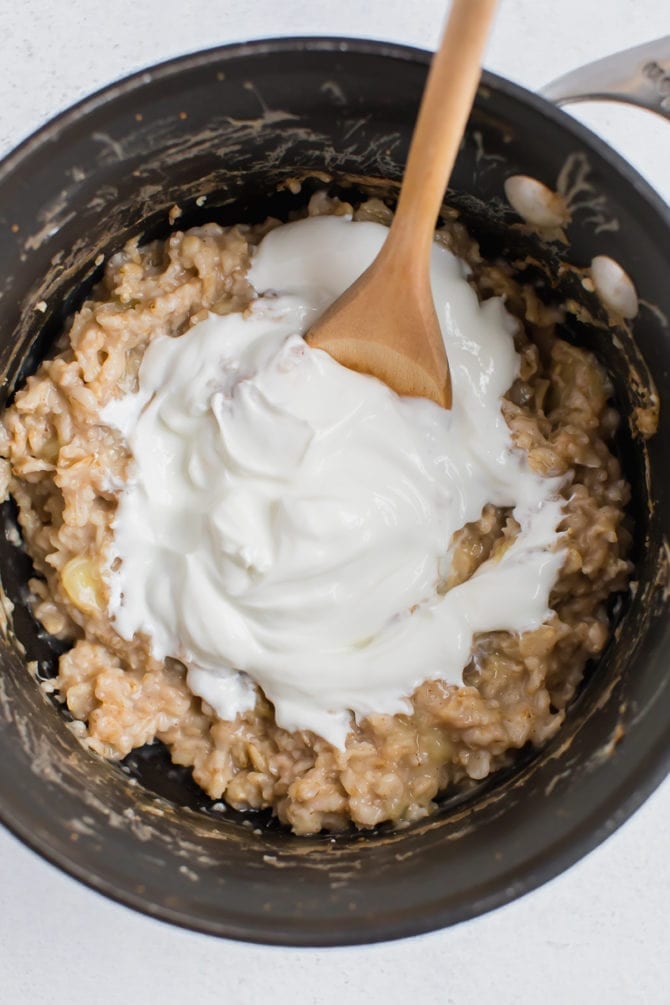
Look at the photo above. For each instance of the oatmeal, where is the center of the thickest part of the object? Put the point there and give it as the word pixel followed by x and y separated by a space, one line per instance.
pixel 69 468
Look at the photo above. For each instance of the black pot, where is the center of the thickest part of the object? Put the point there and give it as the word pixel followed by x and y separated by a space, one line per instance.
pixel 234 124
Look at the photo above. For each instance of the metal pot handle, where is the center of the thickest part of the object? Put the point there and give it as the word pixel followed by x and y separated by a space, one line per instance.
pixel 638 76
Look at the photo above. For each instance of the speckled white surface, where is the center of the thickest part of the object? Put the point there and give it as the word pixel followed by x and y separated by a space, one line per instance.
pixel 599 932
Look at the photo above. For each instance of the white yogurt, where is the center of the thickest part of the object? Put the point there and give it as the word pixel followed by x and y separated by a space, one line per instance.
pixel 288 522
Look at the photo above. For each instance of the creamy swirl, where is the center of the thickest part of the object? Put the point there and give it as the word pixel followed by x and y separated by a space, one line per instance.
pixel 288 522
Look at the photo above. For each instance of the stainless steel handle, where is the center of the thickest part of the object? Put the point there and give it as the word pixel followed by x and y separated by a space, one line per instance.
pixel 638 76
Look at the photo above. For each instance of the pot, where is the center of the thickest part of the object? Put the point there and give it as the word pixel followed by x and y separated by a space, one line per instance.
pixel 234 134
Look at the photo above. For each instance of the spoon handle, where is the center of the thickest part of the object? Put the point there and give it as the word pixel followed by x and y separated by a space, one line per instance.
pixel 445 107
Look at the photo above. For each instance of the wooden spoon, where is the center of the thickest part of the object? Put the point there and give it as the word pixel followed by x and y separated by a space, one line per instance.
pixel 385 323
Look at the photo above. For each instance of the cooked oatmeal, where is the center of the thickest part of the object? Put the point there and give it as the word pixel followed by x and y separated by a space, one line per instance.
pixel 68 469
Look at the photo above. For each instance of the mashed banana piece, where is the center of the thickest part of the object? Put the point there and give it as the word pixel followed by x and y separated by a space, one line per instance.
pixel 68 468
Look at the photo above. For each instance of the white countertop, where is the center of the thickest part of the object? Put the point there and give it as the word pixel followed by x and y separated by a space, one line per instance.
pixel 597 932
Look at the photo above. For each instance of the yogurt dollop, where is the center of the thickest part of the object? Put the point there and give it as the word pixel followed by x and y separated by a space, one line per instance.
pixel 288 522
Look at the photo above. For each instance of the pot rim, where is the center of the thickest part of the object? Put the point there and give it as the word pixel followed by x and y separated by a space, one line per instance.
pixel 632 789
pixel 46 132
